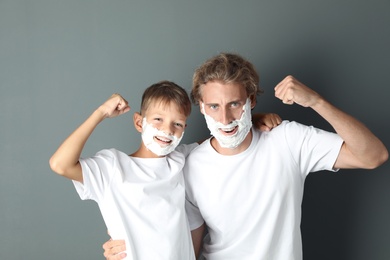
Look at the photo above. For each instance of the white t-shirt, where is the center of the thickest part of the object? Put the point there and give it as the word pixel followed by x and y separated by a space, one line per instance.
pixel 141 201
pixel 251 202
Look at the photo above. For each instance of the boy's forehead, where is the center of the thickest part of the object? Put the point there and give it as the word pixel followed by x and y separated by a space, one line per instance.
pixel 165 106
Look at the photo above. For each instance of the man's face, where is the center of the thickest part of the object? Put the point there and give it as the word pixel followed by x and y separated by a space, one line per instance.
pixel 223 106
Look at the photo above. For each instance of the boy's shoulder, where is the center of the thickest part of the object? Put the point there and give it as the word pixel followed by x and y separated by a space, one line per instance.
pixel 111 154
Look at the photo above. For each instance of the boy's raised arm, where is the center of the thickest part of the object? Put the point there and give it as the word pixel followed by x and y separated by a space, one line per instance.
pixel 65 161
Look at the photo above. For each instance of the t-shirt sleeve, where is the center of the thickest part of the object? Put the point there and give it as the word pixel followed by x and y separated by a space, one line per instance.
pixel 312 148
pixel 97 172
pixel 195 219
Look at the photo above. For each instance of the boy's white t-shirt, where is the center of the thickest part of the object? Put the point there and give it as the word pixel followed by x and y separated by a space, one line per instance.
pixel 251 202
pixel 142 200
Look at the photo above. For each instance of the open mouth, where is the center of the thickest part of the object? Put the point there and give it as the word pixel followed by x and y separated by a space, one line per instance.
pixel 229 131
pixel 162 140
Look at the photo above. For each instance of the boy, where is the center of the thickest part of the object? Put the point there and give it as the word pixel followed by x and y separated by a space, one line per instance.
pixel 141 196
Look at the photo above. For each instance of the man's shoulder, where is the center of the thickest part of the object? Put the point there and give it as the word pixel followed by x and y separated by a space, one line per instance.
pixel 286 126
pixel 200 148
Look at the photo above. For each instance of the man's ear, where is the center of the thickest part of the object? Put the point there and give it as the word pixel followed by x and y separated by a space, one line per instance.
pixel 137 119
pixel 253 101
pixel 201 104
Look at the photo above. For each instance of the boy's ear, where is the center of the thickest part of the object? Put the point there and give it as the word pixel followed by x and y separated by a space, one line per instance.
pixel 137 119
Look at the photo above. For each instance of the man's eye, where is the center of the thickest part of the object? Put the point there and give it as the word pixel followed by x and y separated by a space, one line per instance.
pixel 235 104
pixel 213 107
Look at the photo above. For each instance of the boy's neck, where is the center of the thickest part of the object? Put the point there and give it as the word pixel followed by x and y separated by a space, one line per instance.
pixel 143 152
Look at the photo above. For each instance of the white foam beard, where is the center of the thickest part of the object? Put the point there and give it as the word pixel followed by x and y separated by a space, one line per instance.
pixel 149 133
pixel 232 141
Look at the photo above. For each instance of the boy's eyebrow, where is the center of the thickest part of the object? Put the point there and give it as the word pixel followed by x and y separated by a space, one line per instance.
pixel 181 118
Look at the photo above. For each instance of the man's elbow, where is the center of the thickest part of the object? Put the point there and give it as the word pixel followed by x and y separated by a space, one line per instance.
pixel 379 160
pixel 384 157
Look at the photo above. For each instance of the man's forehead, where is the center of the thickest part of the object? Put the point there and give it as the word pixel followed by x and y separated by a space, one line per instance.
pixel 219 98
pixel 221 89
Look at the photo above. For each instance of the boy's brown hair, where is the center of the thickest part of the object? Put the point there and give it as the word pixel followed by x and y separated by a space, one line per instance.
pixel 166 92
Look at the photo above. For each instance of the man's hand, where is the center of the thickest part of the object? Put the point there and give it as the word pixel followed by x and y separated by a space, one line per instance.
pixel 114 249
pixel 266 121
pixel 291 91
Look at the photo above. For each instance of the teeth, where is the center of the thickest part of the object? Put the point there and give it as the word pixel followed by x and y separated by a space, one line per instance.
pixel 163 139
pixel 227 129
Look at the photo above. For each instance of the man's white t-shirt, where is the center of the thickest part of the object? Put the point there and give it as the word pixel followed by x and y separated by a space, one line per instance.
pixel 142 200
pixel 251 202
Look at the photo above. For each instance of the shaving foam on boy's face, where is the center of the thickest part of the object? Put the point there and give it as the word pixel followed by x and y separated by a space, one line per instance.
pixel 244 125
pixel 157 141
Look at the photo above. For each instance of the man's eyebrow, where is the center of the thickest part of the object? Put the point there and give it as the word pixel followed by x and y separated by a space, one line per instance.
pixel 209 104
pixel 230 102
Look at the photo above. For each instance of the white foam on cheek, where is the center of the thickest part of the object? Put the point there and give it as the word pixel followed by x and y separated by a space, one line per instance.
pixel 244 125
pixel 148 134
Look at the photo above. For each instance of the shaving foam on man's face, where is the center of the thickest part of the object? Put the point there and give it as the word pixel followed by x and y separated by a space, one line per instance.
pixel 231 141
pixel 157 141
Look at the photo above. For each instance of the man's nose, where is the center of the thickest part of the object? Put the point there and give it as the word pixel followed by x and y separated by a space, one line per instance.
pixel 226 117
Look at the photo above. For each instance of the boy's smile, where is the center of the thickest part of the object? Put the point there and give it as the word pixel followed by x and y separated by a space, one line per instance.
pixel 163 141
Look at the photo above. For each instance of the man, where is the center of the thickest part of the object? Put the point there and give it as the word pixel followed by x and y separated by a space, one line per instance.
pixel 246 186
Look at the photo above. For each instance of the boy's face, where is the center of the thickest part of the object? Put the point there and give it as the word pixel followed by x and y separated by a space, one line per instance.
pixel 162 127
pixel 166 118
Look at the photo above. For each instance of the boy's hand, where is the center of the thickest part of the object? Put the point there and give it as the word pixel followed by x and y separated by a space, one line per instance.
pixel 266 121
pixel 114 249
pixel 116 105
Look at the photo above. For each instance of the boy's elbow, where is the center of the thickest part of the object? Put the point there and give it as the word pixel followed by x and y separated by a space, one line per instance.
pixel 55 166
pixel 72 172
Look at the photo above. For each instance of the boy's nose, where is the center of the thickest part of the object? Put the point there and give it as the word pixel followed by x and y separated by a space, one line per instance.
pixel 167 129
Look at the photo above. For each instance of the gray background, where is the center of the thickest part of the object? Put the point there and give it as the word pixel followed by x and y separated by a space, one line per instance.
pixel 60 59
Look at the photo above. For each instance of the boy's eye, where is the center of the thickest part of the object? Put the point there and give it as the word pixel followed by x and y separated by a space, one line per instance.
pixel 179 125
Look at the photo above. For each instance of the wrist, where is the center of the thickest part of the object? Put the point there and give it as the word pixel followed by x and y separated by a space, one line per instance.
pixel 99 115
